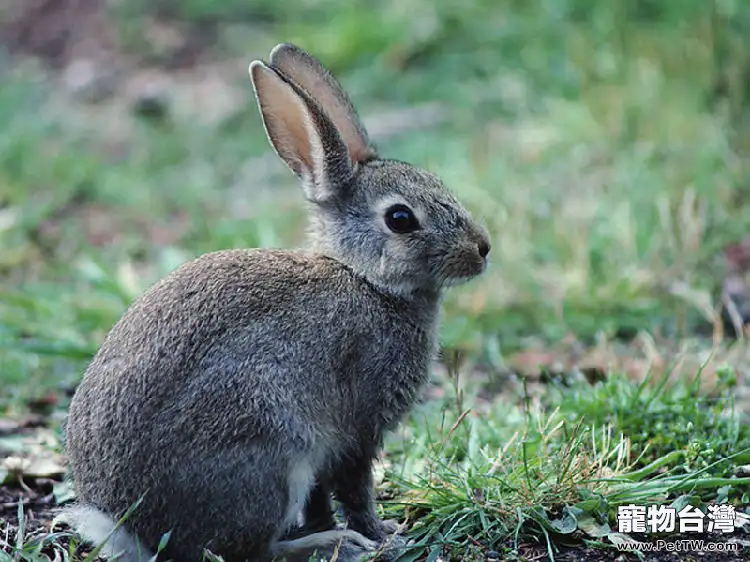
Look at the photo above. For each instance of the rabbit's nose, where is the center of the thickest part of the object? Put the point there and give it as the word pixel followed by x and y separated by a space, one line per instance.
pixel 484 247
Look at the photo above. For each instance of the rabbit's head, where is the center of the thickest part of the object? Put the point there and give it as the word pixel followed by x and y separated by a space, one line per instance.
pixel 393 223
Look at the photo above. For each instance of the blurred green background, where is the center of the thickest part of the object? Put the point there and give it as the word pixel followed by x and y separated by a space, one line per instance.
pixel 604 145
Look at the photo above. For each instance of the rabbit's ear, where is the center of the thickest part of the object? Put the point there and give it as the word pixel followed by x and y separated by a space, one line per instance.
pixel 303 69
pixel 302 135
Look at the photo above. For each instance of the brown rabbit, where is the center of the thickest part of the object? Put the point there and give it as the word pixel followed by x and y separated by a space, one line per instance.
pixel 249 386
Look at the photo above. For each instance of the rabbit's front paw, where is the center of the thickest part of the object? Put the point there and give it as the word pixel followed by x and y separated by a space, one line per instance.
pixel 373 527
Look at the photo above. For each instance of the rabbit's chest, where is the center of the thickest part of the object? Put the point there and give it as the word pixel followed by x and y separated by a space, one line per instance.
pixel 396 384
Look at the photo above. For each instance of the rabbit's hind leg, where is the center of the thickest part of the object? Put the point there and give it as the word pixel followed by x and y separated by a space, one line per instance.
pixel 241 497
pixel 349 546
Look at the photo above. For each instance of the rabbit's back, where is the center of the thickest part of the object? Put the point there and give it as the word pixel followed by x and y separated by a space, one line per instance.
pixel 274 355
pixel 270 337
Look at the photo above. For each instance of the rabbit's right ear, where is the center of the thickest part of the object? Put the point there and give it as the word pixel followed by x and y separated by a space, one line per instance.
pixel 302 135
pixel 306 71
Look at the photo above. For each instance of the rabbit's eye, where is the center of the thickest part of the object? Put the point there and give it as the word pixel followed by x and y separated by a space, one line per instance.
pixel 401 220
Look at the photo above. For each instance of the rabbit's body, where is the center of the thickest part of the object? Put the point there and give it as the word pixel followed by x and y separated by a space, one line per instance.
pixel 237 318
pixel 242 391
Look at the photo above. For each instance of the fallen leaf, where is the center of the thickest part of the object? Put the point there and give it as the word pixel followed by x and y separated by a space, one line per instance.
pixel 742 520
pixel 567 524
pixel 45 467
pixel 621 539
pixel 63 492
pixel 16 465
pixel 8 426
pixel 592 527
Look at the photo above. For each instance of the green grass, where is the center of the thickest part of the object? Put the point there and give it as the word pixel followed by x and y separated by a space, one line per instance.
pixel 604 146
pixel 499 476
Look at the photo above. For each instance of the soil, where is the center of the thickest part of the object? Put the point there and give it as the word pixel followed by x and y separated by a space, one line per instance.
pixel 56 31
pixel 41 491
pixel 59 32
pixel 40 507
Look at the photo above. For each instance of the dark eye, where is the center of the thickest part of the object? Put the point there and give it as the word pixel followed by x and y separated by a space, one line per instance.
pixel 400 219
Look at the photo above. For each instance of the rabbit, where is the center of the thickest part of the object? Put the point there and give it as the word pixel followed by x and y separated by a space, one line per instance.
pixel 244 391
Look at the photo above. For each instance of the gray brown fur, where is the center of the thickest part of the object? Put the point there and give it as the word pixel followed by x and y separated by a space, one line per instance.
pixel 249 385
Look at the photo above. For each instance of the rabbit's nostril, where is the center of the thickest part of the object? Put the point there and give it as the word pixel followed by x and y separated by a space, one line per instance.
pixel 484 247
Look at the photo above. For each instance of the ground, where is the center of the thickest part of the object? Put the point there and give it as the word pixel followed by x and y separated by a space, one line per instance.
pixel 600 362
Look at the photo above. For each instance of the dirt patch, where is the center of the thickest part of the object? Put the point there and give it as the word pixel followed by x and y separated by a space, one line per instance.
pixel 34 470
pixel 40 508
pixel 57 31
pixel 38 501
pixel 62 32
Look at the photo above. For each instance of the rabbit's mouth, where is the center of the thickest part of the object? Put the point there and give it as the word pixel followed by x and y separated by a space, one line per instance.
pixel 456 267
pixel 460 280
pixel 456 281
pixel 466 274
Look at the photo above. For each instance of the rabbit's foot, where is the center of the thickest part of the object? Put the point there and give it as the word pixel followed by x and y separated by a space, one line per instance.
pixel 345 545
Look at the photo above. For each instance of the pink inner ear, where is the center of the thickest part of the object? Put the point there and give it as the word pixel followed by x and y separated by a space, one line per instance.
pixel 358 147
pixel 337 112
pixel 291 136
pixel 359 152
pixel 287 120
pixel 332 100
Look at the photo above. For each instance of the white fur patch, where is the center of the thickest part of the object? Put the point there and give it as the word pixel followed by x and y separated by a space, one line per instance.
pixel 301 480
pixel 98 528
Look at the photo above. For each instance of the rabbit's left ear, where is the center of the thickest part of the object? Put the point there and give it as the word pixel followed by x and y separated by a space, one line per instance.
pixel 302 135
pixel 301 67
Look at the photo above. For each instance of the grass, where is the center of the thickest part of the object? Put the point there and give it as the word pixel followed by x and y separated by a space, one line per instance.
pixel 501 476
pixel 604 146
